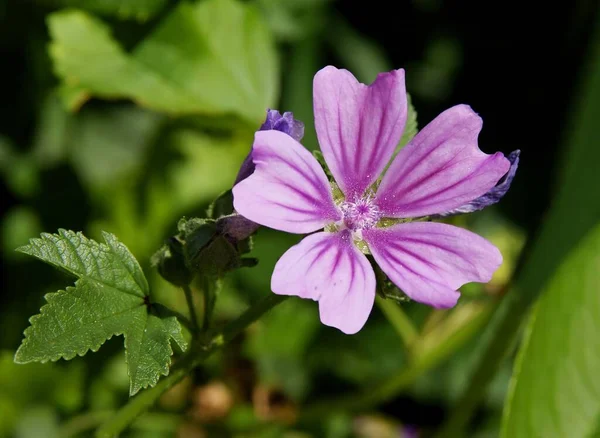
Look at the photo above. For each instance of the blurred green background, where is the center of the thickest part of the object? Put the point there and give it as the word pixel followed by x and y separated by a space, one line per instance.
pixel 124 115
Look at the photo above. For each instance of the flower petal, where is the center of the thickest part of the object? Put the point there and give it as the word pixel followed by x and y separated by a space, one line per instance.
pixel 495 194
pixel 358 126
pixel 441 168
pixel 274 121
pixel 430 261
pixel 288 190
pixel 328 267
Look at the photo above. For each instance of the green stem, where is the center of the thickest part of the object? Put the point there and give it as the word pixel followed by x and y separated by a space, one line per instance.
pixel 399 320
pixel 157 422
pixel 163 310
pixel 211 287
pixel 189 298
pixel 84 422
pixel 141 403
pixel 433 356
pixel 197 354
pixel 505 327
pixel 248 317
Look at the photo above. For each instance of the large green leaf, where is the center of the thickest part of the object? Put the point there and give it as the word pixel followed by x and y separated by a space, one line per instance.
pixel 207 166
pixel 556 389
pixel 574 213
pixel 110 146
pixel 193 63
pixel 138 9
pixel 109 298
pixel 556 384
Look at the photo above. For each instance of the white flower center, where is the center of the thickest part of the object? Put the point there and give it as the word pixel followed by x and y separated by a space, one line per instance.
pixel 360 215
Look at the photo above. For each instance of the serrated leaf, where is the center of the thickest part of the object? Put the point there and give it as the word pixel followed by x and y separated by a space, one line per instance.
pixel 191 64
pixel 110 298
pixel 556 390
pixel 137 9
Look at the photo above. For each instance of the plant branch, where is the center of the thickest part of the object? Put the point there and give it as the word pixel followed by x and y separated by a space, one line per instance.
pixel 189 298
pixel 197 354
pixel 439 345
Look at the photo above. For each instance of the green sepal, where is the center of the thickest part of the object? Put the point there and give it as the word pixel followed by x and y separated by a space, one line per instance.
pixel 385 288
pixel 321 159
pixel 171 263
pixel 222 206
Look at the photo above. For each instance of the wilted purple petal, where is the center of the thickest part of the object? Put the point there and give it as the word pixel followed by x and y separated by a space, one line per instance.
pixel 289 190
pixel 358 126
pixel 284 123
pixel 409 431
pixel 328 267
pixel 274 121
pixel 430 261
pixel 441 168
pixel 236 226
pixel 495 194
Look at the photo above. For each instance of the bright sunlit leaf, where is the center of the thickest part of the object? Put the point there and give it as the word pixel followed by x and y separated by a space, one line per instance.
pixel 140 10
pixel 556 384
pixel 193 63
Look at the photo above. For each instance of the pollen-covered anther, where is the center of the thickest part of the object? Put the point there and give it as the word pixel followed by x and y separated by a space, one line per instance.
pixel 360 215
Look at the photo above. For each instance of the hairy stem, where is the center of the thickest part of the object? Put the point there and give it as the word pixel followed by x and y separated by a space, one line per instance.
pixel 211 286
pixel 189 298
pixel 197 354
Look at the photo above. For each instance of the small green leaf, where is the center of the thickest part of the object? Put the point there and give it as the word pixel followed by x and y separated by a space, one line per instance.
pixel 411 128
pixel 556 382
pixel 191 64
pixel 110 298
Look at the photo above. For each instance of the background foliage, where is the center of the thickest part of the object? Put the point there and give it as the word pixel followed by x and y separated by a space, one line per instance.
pixel 123 116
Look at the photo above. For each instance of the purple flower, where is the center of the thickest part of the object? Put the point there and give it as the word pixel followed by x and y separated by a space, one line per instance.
pixel 358 128
pixel 275 121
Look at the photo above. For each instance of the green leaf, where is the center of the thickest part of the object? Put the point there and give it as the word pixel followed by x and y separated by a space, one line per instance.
pixel 18 225
pixel 109 146
pixel 19 171
pixel 191 64
pixel 556 385
pixel 206 166
pixel 110 298
pixel 295 20
pixel 574 213
pixel 411 128
pixel 51 136
pixel 140 10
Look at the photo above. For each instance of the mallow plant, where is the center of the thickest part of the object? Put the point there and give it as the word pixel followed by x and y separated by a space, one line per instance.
pixel 371 204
